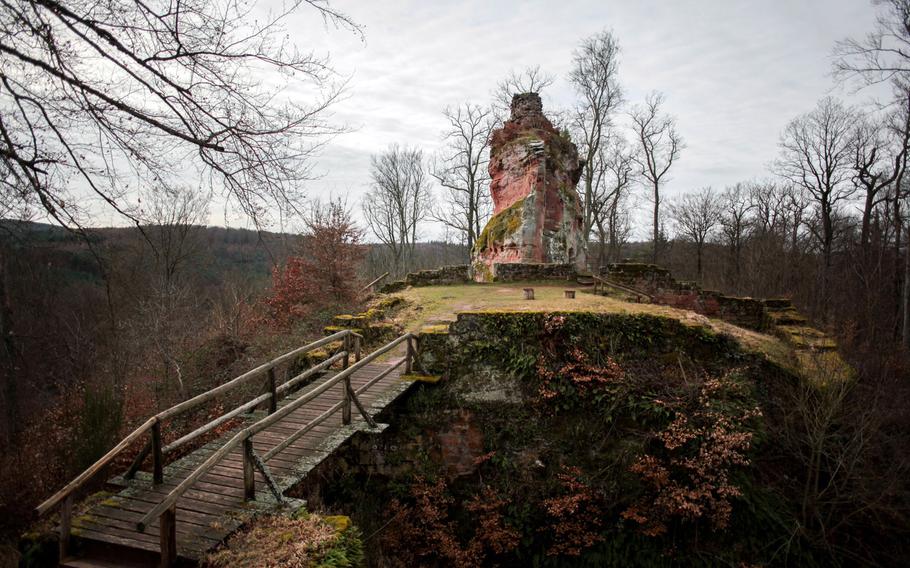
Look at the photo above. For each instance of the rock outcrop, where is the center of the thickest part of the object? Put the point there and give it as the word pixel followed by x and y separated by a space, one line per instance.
pixel 537 212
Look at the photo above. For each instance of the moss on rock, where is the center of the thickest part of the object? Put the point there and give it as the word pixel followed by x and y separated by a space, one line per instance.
pixel 500 226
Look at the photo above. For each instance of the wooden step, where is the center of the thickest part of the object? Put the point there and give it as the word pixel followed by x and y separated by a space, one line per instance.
pixel 104 563
pixel 102 555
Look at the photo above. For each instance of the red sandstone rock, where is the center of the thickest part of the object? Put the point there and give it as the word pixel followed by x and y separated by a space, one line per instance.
pixel 461 445
pixel 537 213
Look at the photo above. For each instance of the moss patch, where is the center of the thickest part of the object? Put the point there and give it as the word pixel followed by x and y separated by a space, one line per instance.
pixel 431 379
pixel 299 541
pixel 500 226
pixel 340 523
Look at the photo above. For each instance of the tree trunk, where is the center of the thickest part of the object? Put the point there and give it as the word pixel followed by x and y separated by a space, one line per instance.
pixel 654 251
pixel 905 297
pixel 698 254
pixel 7 352
pixel 827 248
pixel 866 223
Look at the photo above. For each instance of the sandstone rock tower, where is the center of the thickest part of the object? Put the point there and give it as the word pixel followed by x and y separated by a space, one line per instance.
pixel 537 213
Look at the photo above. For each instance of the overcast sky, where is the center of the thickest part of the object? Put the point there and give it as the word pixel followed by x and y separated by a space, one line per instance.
pixel 733 71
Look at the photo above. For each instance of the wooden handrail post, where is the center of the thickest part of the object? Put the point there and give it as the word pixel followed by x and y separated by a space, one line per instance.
pixel 66 518
pixel 157 456
pixel 358 347
pixel 409 362
pixel 273 400
pixel 346 408
pixel 249 479
pixel 168 536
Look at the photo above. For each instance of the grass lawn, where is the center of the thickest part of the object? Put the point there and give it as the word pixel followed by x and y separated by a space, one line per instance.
pixel 431 305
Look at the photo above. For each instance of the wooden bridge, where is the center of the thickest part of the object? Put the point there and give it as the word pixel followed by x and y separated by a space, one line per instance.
pixel 182 510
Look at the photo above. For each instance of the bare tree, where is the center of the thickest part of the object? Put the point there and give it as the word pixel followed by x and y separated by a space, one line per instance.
pixel 659 145
pixel 172 223
pixel 398 202
pixel 816 156
pixel 734 223
pixel 613 178
pixel 528 80
pixel 697 215
pixel 95 96
pixel 332 245
pixel 595 66
pixel 879 160
pixel 461 169
pixel 881 56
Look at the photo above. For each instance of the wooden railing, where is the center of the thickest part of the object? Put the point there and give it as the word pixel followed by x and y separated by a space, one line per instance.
pixel 352 344
pixel 601 283
pixel 373 283
pixel 166 510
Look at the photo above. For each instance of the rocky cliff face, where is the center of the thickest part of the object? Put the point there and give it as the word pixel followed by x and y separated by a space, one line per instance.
pixel 537 213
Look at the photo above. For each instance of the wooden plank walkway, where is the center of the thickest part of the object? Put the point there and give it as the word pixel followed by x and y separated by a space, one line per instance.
pixel 214 506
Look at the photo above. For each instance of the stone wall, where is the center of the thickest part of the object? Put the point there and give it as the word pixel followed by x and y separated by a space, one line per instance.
pixel 455 274
pixel 646 277
pixel 530 271
pixel 489 350
pixel 446 275
pixel 664 289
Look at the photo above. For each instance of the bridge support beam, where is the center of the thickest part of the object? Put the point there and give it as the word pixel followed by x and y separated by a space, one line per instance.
pixel 66 521
pixel 346 362
pixel 409 358
pixel 346 407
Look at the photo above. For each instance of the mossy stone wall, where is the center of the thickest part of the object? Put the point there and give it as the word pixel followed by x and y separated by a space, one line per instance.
pixel 531 271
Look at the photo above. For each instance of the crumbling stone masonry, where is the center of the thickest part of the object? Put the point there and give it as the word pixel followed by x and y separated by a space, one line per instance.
pixel 537 215
pixel 530 271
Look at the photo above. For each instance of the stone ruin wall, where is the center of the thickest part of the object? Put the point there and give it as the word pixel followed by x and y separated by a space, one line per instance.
pixel 659 283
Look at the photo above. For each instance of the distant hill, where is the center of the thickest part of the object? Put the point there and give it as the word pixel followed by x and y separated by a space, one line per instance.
pixel 223 249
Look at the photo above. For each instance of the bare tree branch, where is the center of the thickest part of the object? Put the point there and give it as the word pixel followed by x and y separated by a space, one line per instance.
pixel 659 145
pixel 461 170
pixel 134 94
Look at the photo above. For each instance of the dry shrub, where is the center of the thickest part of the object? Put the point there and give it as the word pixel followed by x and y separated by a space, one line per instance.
pixel 278 542
pixel 324 270
pixel 576 375
pixel 575 516
pixel 688 476
pixel 422 533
